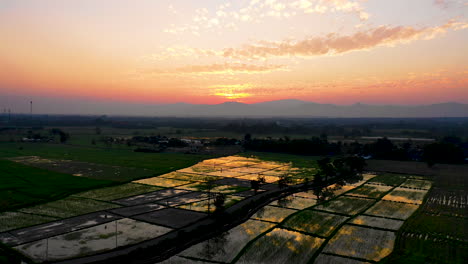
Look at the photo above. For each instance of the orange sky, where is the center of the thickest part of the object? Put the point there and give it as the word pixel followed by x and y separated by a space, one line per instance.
pixel 327 51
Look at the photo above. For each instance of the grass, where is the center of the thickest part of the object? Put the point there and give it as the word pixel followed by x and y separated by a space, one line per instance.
pixel 21 185
pixel 315 222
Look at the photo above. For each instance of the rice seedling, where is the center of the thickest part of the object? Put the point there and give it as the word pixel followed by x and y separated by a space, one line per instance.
pixel 118 192
pixel 417 184
pixel 294 202
pixel 281 246
pixel 346 205
pixel 91 240
pixel 14 220
pixel 315 222
pixel 225 247
pixel 404 195
pixel 162 182
pixel 272 214
pixel 379 222
pixel 360 242
pixel 388 179
pixel 395 210
pixel 330 259
pixel 68 207
pixel 370 191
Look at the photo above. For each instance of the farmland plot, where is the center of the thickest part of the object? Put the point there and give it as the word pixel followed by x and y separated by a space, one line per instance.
pixel 404 195
pixel 315 222
pixel 226 189
pixel 224 248
pixel 177 175
pixel 171 217
pixel 389 209
pixel 92 240
pixel 388 179
pixel 118 192
pixel 295 202
pixel 163 182
pixel 272 214
pixel 281 246
pixel 268 179
pixel 378 222
pixel 306 194
pixel 183 199
pixel 346 205
pixel 85 169
pixel 58 227
pixel 202 206
pixel 360 242
pixel 447 202
pixel 417 184
pixel 199 168
pixel 68 207
pixel 150 197
pixel 370 191
pixel 329 259
pixel 14 220
pixel 182 260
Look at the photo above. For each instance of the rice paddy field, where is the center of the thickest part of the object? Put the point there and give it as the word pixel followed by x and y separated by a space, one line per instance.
pixel 355 226
pixel 362 222
pixel 102 219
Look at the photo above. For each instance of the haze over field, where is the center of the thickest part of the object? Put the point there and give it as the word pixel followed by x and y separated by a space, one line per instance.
pixel 130 57
pixel 279 108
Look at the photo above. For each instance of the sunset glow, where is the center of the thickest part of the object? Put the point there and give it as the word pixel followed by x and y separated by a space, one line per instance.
pixel 168 51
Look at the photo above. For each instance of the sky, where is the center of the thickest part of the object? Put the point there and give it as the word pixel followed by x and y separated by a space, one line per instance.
pixel 212 51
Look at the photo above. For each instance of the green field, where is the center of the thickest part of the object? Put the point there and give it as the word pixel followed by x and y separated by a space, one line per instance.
pixel 22 185
pixel 158 163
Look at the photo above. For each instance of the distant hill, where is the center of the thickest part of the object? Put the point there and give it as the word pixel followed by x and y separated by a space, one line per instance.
pixel 280 108
pixel 297 108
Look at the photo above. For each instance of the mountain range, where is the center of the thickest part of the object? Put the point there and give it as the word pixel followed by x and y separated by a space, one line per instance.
pixel 298 108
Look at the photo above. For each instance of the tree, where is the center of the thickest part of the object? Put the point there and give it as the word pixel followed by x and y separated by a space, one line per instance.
pixel 443 152
pixel 64 137
pixel 255 185
pixel 98 130
pixel 219 201
pixel 317 184
pixel 325 167
pixel 284 181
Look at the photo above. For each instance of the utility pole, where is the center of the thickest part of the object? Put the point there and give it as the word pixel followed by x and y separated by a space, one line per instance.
pixel 30 110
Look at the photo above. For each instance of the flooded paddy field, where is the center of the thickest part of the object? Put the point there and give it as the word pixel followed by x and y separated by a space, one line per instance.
pixel 358 223
pixel 305 230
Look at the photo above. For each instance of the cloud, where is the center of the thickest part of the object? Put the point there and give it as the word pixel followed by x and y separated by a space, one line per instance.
pixel 229 68
pixel 221 68
pixel 441 3
pixel 336 44
pixel 229 16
